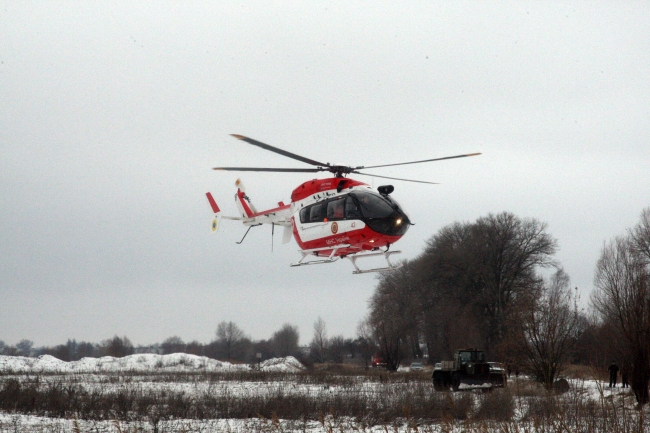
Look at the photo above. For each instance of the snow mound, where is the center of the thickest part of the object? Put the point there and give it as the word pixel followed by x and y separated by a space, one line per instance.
pixel 285 365
pixel 147 362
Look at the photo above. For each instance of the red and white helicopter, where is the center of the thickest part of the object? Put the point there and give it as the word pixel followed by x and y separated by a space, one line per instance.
pixel 329 218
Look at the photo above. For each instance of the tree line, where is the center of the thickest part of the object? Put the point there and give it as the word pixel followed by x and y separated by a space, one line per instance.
pixel 494 284
pixel 230 344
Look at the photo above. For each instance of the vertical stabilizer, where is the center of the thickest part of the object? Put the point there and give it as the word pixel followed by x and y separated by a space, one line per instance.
pixel 246 208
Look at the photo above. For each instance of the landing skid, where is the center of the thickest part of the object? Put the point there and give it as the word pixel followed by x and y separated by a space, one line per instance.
pixel 330 259
pixel 352 257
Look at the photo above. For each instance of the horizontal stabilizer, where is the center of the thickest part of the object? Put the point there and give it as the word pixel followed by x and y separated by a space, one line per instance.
pixel 216 221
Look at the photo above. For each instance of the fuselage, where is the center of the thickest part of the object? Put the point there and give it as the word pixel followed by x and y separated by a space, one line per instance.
pixel 342 211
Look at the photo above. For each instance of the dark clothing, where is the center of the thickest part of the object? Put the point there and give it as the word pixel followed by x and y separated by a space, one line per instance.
pixel 624 379
pixel 613 372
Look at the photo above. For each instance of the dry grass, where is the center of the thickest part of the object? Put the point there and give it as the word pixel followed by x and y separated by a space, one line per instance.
pixel 525 388
pixel 337 399
pixel 580 372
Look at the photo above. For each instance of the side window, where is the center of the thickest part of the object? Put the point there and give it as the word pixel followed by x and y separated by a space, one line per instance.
pixel 335 209
pixel 304 215
pixel 316 213
pixel 351 209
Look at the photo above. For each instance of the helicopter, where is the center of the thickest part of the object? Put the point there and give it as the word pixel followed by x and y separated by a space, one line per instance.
pixel 332 218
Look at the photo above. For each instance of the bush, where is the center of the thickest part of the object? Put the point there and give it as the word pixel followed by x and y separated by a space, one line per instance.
pixel 497 405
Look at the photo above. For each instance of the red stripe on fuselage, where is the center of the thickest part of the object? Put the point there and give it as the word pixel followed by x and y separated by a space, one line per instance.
pixel 359 240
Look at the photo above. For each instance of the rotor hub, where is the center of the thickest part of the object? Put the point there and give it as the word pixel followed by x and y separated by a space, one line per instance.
pixel 339 169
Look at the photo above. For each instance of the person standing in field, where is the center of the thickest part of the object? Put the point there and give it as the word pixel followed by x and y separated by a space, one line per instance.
pixel 613 372
pixel 624 377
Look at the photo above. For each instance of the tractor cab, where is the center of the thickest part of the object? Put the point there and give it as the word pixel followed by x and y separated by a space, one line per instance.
pixel 470 355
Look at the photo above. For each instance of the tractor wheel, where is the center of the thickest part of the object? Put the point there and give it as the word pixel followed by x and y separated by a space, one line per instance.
pixel 455 382
pixel 438 383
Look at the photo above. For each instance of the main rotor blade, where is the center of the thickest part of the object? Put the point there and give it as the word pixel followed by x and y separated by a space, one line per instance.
pixel 396 178
pixel 417 162
pixel 269 169
pixel 277 150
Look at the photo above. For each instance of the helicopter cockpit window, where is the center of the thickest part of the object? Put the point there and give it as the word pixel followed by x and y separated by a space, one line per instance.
pixel 373 206
pixel 351 209
pixel 356 205
pixel 316 213
pixel 335 209
pixel 304 215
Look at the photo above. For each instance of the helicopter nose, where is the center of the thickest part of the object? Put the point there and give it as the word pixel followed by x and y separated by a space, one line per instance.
pixel 394 225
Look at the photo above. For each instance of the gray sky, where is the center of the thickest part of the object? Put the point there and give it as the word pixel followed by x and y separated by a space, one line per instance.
pixel 113 113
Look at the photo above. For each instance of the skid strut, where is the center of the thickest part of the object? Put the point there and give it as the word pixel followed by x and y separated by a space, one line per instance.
pixel 330 259
pixel 354 257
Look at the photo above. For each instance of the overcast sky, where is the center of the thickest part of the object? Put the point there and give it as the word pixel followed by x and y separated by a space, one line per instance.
pixel 112 115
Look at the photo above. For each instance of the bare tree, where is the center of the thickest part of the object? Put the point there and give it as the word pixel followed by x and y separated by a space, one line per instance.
pixel 173 345
pixel 60 351
pixel 365 342
pixel 318 345
pixel 510 250
pixel 72 349
pixel 194 348
pixel 351 347
pixel 622 297
pixel 228 335
pixel 394 314
pixel 285 341
pixel 549 330
pixel 24 347
pixel 117 347
pixel 485 272
pixel 336 349
pixel 10 351
pixel 86 349
pixel 640 237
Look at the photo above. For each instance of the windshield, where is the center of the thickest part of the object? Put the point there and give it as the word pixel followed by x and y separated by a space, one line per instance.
pixel 372 205
pixel 472 356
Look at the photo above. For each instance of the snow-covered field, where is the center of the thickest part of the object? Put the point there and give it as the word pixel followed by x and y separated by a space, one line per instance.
pixel 219 396
pixel 35 424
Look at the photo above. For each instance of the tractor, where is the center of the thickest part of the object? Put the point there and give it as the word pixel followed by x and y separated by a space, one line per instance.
pixel 468 368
